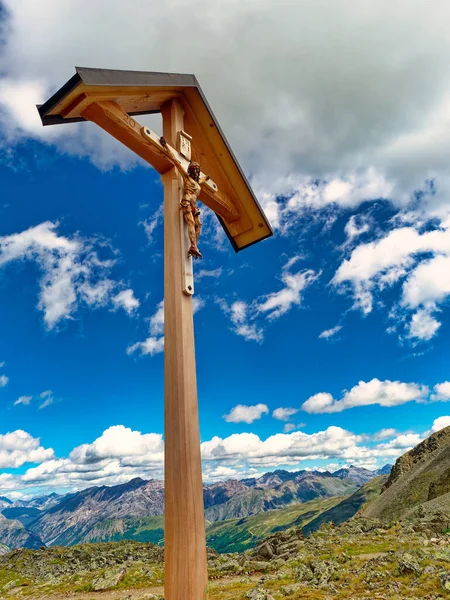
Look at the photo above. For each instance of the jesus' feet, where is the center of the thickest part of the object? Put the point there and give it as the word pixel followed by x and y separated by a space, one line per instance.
pixel 195 252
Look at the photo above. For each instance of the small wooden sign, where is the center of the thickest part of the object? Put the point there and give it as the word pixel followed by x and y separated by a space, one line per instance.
pixel 185 145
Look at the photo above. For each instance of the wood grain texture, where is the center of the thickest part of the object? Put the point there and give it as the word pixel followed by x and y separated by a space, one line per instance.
pixel 186 575
pixel 113 119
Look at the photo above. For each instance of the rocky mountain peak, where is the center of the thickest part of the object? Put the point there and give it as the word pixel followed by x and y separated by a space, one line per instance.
pixel 421 453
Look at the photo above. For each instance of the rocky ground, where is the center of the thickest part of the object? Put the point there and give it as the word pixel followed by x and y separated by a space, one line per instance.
pixel 361 559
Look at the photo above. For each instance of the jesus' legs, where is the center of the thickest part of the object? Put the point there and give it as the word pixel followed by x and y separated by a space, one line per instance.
pixel 192 229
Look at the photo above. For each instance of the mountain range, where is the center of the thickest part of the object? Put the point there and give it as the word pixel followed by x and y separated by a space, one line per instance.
pixel 110 512
pixel 388 536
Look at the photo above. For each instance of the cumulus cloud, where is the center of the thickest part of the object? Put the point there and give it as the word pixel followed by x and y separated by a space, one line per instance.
pixel 281 448
pixel 72 271
pixel 402 443
pixel 345 127
pixel 289 427
pixel 403 255
pixel 122 443
pixel 126 300
pixel 284 414
pixel 383 434
pixel 19 447
pixel 3 380
pixel 121 453
pixel 440 423
pixel 423 325
pixel 384 393
pixel 246 414
pixel 442 392
pixel 312 194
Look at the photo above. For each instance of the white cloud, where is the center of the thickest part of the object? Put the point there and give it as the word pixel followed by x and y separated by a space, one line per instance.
pixel 154 344
pixel 423 326
pixel 151 224
pixel 353 133
pixel 334 441
pixel 279 303
pixel 356 226
pixel 19 447
pixel 3 380
pixel 442 392
pixel 328 333
pixel 313 194
pixel 384 393
pixel 289 427
pixel 151 346
pixel 246 414
pixel 157 320
pixel 72 272
pixel 121 453
pixel 45 399
pixel 243 315
pixel 440 423
pixel 384 434
pixel 126 300
pixel 403 255
pixel 119 442
pixel 401 443
pixel 25 400
pixel 215 273
pixel 284 414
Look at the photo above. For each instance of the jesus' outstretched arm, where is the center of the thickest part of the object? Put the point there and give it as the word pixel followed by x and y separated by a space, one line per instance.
pixel 173 158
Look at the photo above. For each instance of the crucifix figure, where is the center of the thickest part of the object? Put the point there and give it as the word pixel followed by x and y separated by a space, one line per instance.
pixel 192 181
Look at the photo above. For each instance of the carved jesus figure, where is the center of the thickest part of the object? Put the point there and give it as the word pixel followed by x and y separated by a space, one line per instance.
pixel 188 204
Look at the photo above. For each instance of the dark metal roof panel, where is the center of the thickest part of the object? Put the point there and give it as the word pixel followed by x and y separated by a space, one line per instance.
pixel 134 78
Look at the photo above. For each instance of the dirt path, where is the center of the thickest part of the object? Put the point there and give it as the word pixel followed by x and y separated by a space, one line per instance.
pixel 136 594
pixel 139 594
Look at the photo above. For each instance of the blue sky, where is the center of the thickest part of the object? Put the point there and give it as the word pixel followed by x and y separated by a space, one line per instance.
pixel 341 317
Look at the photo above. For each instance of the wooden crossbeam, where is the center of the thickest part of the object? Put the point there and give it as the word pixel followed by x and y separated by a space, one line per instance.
pixel 141 140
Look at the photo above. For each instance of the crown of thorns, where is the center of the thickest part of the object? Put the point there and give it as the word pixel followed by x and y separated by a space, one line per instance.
pixel 194 165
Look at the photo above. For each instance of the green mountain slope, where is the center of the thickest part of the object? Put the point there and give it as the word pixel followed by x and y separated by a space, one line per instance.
pixel 232 535
pixel 237 535
pixel 419 478
pixel 349 506
pixel 140 529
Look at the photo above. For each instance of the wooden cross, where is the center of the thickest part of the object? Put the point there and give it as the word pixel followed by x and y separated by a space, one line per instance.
pixel 112 99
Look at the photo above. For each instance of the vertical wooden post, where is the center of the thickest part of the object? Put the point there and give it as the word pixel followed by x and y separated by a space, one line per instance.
pixel 186 576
